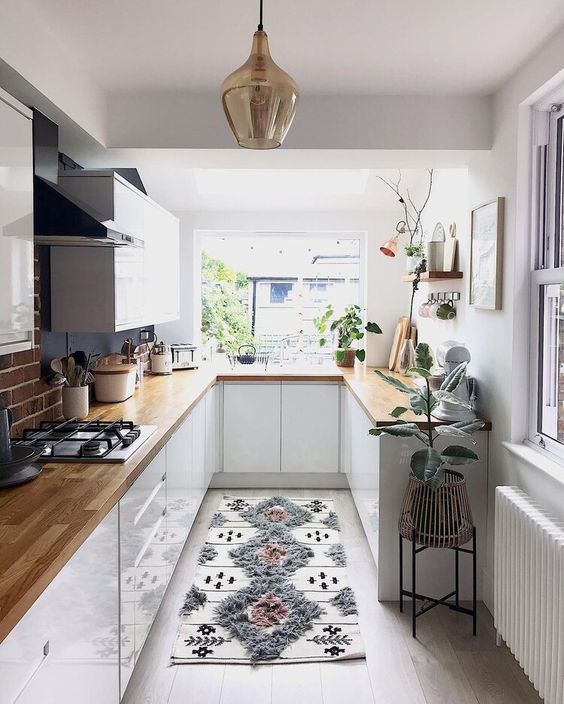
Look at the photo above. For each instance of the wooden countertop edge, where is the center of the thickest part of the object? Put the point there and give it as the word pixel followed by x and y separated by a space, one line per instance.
pixel 138 463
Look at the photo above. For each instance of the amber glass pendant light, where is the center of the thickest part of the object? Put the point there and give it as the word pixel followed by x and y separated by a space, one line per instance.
pixel 259 99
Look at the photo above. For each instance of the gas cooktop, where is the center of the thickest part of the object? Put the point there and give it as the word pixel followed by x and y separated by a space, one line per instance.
pixel 86 441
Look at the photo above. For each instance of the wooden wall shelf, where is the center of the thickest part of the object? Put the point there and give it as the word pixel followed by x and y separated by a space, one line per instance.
pixel 435 276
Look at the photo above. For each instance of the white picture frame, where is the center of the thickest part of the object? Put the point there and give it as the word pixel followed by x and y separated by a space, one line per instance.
pixel 486 255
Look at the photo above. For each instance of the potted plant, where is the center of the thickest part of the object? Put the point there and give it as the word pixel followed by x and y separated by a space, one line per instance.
pixel 348 329
pixel 415 254
pixel 436 509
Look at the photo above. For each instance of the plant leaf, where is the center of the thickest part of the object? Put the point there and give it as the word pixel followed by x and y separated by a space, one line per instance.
pixel 399 385
pixel 373 327
pixel 425 464
pixel 340 355
pixel 454 378
pixel 401 430
pixel 469 426
pixel 452 430
pixel 451 398
pixel 418 404
pixel 419 371
pixel 399 411
pixel 322 342
pixel 360 355
pixel 423 356
pixel 456 454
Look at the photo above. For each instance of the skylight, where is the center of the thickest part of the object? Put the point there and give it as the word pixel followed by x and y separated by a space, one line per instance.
pixel 287 181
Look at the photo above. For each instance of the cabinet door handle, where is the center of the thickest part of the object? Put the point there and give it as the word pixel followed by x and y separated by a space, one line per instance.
pixel 149 540
pixel 148 500
pixel 33 674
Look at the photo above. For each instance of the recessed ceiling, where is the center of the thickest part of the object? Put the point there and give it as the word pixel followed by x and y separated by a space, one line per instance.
pixel 329 46
pixel 254 190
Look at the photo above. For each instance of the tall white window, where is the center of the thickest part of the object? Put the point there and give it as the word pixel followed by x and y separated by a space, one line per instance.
pixel 547 350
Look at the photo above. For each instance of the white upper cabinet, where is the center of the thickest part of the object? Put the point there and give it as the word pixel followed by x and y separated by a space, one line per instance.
pixel 162 265
pixel 310 427
pixel 110 289
pixel 97 289
pixel 16 226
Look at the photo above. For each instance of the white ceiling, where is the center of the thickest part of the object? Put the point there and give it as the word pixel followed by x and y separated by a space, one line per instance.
pixel 329 46
pixel 251 190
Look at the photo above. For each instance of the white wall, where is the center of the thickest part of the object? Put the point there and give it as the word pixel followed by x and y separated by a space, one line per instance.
pixel 448 204
pixel 196 121
pixel 385 301
pixel 499 340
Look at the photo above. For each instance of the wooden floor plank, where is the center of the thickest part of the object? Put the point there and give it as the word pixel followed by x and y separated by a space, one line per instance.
pixel 244 684
pixel 296 683
pixel 341 681
pixel 445 664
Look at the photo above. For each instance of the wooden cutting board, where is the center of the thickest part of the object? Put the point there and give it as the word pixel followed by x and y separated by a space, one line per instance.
pixel 399 337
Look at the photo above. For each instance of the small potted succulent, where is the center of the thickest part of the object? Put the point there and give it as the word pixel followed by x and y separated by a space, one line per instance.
pixel 348 330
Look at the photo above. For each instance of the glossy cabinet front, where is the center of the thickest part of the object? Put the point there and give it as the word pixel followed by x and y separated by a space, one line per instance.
pixel 16 226
pixel 310 427
pixel 144 569
pixel 66 648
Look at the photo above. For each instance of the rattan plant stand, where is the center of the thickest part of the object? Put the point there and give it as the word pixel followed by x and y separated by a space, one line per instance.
pixel 439 519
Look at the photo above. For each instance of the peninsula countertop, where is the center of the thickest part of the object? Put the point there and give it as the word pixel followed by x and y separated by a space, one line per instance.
pixel 43 523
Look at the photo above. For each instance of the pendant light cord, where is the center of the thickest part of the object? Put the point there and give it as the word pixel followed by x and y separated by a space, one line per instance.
pixel 260 27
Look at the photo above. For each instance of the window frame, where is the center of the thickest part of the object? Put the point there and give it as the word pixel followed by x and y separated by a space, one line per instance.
pixel 547 193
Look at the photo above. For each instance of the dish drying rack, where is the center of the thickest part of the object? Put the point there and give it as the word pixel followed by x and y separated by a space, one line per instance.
pixel 247 355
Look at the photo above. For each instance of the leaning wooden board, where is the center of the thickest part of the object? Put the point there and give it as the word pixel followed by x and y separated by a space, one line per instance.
pixel 396 344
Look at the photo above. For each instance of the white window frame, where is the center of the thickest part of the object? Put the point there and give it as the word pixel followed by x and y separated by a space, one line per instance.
pixel 543 270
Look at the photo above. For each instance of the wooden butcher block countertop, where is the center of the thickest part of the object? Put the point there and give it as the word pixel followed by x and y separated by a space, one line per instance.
pixel 43 523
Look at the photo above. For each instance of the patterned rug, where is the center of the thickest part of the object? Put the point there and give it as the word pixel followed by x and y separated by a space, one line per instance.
pixel 271 587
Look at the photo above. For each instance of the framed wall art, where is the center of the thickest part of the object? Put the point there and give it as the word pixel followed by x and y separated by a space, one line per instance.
pixel 486 255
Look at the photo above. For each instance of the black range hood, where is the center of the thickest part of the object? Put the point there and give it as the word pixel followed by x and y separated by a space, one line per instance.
pixel 75 206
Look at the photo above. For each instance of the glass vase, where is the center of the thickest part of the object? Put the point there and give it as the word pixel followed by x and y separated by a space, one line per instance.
pixel 406 357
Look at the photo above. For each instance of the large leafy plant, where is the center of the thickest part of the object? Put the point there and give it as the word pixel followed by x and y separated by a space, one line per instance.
pixel 348 329
pixel 428 464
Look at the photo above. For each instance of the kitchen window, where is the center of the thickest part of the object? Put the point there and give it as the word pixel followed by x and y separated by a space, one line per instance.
pixel 547 284
pixel 280 293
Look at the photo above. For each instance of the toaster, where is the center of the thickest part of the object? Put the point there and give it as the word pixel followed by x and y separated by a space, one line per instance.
pixel 184 356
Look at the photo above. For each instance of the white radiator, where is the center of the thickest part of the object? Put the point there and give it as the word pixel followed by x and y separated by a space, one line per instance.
pixel 529 589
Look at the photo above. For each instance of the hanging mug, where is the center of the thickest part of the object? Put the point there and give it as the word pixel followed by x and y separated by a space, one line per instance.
pixel 446 311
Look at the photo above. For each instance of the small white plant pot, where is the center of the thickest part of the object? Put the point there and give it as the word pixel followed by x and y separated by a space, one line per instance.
pixel 75 401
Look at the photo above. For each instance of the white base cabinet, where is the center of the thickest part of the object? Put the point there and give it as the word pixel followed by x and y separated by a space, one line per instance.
pixel 66 648
pixel 310 427
pixel 251 427
pixel 291 427
pixel 81 639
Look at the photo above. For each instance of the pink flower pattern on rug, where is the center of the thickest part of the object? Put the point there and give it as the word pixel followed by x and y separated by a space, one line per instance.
pixel 272 553
pixel 268 611
pixel 276 514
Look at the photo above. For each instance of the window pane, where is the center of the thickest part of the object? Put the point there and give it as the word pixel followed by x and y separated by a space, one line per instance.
pixel 551 362
pixel 280 292
pixel 269 289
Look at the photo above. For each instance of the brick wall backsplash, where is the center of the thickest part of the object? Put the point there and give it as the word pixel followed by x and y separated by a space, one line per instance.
pixel 21 387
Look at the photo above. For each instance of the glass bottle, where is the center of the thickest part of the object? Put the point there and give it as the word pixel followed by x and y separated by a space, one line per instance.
pixel 406 357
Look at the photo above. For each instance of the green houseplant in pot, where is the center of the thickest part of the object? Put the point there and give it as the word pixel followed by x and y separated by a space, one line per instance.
pixel 348 330
pixel 436 509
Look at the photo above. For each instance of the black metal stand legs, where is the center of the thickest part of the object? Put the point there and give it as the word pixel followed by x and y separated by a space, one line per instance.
pixel 430 602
